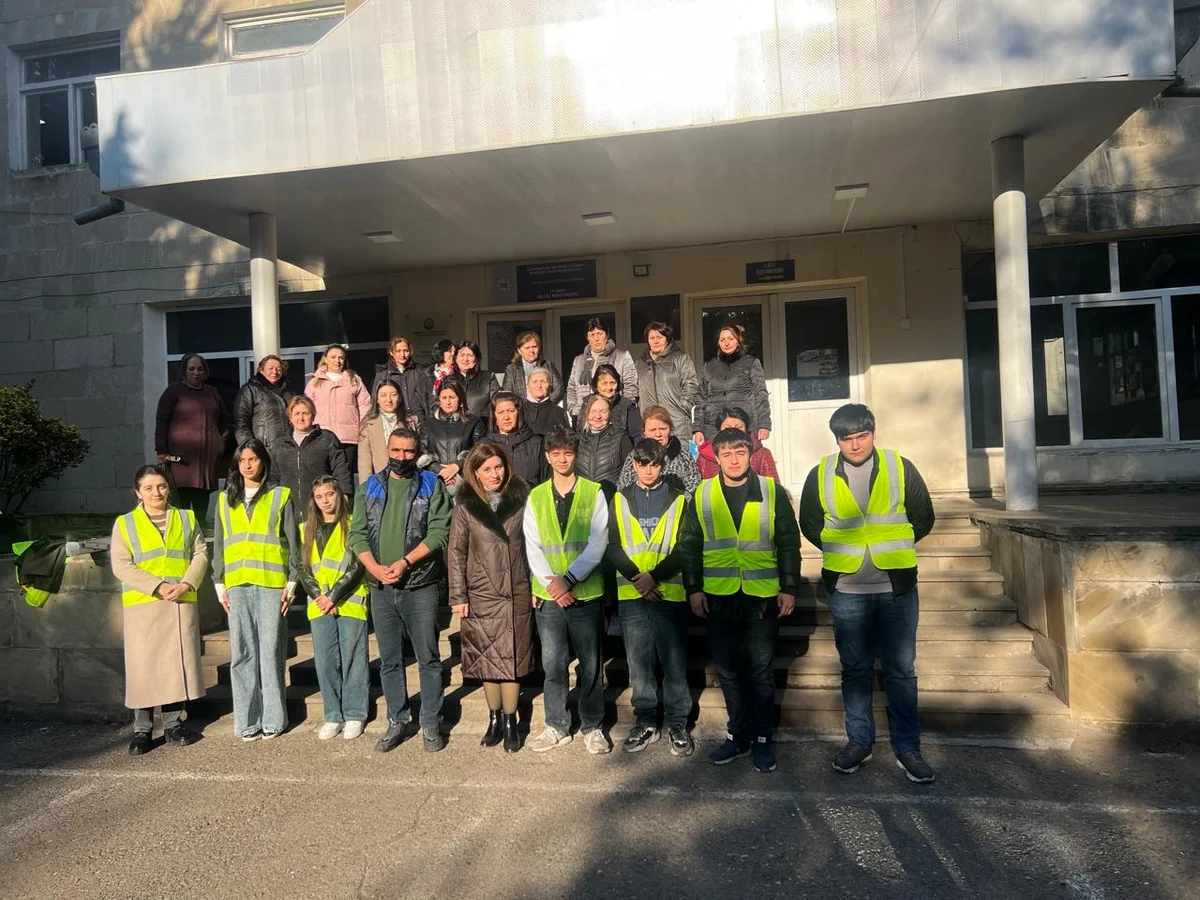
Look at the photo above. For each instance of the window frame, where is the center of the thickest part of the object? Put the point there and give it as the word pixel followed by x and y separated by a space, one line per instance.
pixel 70 85
pixel 233 22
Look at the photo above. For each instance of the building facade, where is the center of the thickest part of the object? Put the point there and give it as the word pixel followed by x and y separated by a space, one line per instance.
pixel 819 172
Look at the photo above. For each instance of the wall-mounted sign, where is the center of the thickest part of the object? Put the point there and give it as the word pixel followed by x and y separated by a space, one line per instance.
pixel 572 279
pixel 771 271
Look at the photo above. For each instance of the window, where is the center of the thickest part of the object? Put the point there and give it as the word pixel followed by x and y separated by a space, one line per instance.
pixel 279 32
pixel 1156 263
pixel 1053 272
pixel 58 104
pixel 1118 371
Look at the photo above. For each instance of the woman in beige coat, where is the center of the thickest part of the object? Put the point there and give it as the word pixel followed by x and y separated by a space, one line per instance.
pixel 387 414
pixel 160 556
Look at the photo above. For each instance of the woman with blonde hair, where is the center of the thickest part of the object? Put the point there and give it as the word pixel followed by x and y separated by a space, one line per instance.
pixel 306 452
pixel 341 400
pixel 490 589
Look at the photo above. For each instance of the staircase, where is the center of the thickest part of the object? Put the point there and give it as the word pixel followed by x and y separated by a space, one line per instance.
pixel 975 662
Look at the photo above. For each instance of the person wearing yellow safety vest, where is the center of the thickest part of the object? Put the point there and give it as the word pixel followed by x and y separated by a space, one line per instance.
pixel 332 576
pixel 159 554
pixel 866 508
pixel 566 531
pixel 643 530
pixel 256 563
pixel 740 550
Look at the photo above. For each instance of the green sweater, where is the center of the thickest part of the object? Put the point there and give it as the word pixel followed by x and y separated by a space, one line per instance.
pixel 391 529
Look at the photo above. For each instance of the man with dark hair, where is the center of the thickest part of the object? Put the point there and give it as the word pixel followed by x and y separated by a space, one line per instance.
pixel 643 534
pixel 866 508
pixel 566 530
pixel 399 529
pixel 740 551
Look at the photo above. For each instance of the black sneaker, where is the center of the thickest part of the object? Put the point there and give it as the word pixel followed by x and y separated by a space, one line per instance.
pixel 850 757
pixel 392 737
pixel 140 744
pixel 433 739
pixel 681 742
pixel 640 737
pixel 728 752
pixel 915 767
pixel 764 759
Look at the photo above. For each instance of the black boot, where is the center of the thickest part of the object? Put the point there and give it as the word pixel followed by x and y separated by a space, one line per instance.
pixel 495 732
pixel 512 740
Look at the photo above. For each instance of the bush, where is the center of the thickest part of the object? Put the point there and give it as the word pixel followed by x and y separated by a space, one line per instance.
pixel 33 448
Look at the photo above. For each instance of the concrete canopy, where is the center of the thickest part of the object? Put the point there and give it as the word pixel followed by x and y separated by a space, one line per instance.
pixel 485 134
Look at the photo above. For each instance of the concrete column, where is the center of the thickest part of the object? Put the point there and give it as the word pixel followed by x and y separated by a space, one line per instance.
pixel 1012 311
pixel 264 285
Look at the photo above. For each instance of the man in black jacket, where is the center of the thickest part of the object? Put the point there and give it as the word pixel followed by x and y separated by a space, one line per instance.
pixel 740 552
pixel 866 508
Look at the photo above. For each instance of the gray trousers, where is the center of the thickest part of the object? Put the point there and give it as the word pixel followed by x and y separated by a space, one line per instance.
pixel 143 719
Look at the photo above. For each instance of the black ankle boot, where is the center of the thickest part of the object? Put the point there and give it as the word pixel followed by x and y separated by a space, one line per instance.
pixel 495 731
pixel 512 740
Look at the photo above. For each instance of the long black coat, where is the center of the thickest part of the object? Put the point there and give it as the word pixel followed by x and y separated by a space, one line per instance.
pixel 297 467
pixel 479 385
pixel 447 438
pixel 524 449
pixel 261 410
pixel 487 569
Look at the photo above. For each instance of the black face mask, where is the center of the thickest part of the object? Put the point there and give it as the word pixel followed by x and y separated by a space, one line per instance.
pixel 402 468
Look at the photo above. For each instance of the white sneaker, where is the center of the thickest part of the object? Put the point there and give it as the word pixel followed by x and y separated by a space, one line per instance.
pixel 248 738
pixel 329 730
pixel 597 742
pixel 550 738
pixel 271 735
pixel 353 729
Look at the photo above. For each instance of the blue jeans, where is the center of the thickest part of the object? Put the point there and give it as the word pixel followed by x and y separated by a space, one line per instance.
pixel 655 633
pixel 340 653
pixel 257 637
pixel 741 635
pixel 866 625
pixel 399 613
pixel 579 627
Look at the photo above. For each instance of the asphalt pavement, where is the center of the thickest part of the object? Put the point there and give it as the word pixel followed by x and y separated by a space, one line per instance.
pixel 295 817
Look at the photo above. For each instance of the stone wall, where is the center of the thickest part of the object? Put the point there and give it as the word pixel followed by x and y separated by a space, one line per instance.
pixel 66 659
pixel 1116 615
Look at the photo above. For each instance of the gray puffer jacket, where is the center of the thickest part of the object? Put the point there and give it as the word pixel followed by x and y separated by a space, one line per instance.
pixel 735 380
pixel 579 385
pixel 669 381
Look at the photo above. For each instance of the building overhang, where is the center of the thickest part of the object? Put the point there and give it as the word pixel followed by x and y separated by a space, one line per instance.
pixel 478 141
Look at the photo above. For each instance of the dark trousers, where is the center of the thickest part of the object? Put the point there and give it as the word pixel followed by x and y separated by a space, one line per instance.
pixel 195 499
pixel 143 719
pixel 866 625
pixel 351 451
pixel 741 635
pixel 655 634
pixel 398 614
pixel 578 628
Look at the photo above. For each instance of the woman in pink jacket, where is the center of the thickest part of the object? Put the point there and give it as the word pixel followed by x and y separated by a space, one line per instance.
pixel 341 398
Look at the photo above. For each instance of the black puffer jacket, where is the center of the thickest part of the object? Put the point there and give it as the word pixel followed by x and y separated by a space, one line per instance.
pixel 544 417
pixel 446 439
pixel 261 410
pixel 624 414
pixel 514 380
pixel 669 381
pixel 736 380
pixel 601 454
pixel 479 386
pixel 524 449
pixel 297 467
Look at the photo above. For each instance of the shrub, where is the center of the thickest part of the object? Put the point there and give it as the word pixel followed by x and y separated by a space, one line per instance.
pixel 33 448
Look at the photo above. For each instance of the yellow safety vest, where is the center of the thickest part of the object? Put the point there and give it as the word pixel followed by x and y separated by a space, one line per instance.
pixel 738 558
pixel 327 568
pixel 563 549
pixel 884 529
pixel 254 553
pixel 646 553
pixel 166 558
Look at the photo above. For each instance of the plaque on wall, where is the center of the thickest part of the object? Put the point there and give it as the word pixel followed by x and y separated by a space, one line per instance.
pixel 770 271
pixel 572 279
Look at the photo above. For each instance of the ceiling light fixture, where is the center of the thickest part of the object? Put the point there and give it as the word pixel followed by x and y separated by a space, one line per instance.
pixel 851 192
pixel 382 237
pixel 599 218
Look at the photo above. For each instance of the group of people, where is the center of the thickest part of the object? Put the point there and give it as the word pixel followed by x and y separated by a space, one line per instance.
pixel 550 540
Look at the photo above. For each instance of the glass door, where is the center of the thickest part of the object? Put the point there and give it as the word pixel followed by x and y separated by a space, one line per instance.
pixel 568 329
pixel 498 336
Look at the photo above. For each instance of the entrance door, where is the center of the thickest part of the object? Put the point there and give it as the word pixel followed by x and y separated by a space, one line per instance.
pixel 568 329
pixel 498 336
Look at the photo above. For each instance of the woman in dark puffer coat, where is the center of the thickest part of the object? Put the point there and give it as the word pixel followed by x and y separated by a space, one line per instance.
pixel 602 445
pixel 732 378
pixel 522 446
pixel 490 588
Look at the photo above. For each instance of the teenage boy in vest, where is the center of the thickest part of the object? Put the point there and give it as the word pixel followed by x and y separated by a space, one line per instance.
pixel 566 531
pixel 866 508
pixel 643 531
pixel 399 529
pixel 740 550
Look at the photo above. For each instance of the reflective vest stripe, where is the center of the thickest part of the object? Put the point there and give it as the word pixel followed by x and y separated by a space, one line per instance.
pixel 738 557
pixel 562 550
pixel 327 567
pixel 168 561
pixel 253 550
pixel 646 553
pixel 883 530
